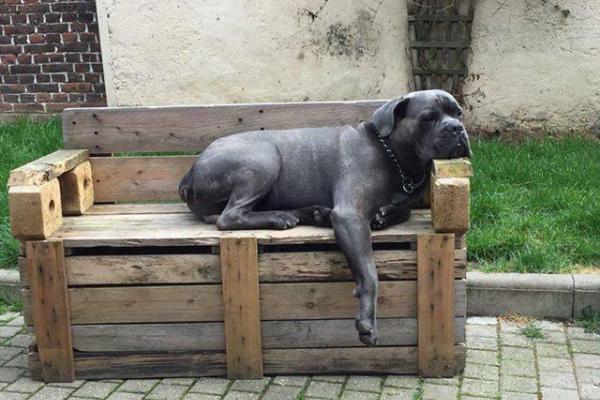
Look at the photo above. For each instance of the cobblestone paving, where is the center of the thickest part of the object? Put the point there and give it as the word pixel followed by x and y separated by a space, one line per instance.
pixel 501 364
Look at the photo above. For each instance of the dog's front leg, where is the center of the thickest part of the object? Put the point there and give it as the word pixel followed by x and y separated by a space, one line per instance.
pixel 354 237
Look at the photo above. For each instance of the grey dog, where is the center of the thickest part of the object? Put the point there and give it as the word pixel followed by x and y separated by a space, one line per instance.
pixel 351 178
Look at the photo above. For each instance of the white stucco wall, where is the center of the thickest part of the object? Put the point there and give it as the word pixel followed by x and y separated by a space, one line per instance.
pixel 534 63
pixel 160 52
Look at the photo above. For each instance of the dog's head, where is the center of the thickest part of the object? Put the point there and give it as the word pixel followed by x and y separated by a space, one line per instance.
pixel 426 122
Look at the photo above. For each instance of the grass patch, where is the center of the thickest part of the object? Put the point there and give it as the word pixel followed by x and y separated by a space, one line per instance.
pixel 20 142
pixel 532 330
pixel 590 320
pixel 535 206
pixel 5 307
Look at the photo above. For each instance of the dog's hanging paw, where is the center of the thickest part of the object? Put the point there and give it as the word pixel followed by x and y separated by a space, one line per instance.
pixel 321 216
pixel 367 331
pixel 389 215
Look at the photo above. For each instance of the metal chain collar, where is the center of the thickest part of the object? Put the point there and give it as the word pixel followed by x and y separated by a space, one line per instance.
pixel 408 185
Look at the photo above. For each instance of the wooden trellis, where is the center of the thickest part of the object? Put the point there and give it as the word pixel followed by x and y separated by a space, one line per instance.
pixel 439 35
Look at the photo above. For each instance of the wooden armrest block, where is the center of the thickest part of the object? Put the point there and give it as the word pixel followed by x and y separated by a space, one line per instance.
pixel 77 189
pixel 35 211
pixel 450 204
pixel 455 168
pixel 45 169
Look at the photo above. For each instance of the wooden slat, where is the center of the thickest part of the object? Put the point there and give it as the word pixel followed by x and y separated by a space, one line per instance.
pixel 138 178
pixel 239 272
pixel 46 168
pixel 456 168
pixel 50 310
pixel 134 230
pixel 279 301
pixel 143 208
pixel 35 212
pixel 77 189
pixel 435 305
pixel 204 268
pixel 124 129
pixel 435 44
pixel 275 335
pixel 359 360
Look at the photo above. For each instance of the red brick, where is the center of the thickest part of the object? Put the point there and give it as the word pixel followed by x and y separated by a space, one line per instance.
pixel 26 98
pixel 87 37
pixel 24 69
pixel 57 107
pixel 58 67
pixel 58 78
pixel 11 98
pixel 59 97
pixel 95 47
pixel 18 19
pixel 6 107
pixel 75 77
pixel 25 28
pixel 35 19
pixel 37 38
pixel 8 58
pixel 93 78
pixel 76 97
pixel 89 57
pixel 5 39
pixel 43 88
pixel 99 88
pixel 97 67
pixel 13 88
pixel 77 27
pixel 42 78
pixel 77 47
pixel 9 30
pixel 52 18
pixel 53 37
pixel 24 58
pixel 11 78
pixel 73 57
pixel 69 37
pixel 4 19
pixel 40 48
pixel 69 17
pixel 26 78
pixel 42 97
pixel 33 8
pixel 29 107
pixel 83 68
pixel 4 49
pixel 77 87
pixel 53 28
pixel 20 39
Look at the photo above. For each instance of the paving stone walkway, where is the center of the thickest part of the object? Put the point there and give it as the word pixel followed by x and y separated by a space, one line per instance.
pixel 501 364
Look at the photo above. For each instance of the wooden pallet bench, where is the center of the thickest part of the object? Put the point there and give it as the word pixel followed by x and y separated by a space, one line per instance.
pixel 121 281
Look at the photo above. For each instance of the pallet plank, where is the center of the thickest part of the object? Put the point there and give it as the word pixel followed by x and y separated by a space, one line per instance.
pixel 46 168
pixel 275 335
pixel 239 271
pixel 77 189
pixel 279 301
pixel 435 305
pixel 358 360
pixel 138 178
pixel 204 268
pixel 177 229
pixel 154 129
pixel 50 310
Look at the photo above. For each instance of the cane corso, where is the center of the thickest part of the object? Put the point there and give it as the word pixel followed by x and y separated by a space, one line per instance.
pixel 351 178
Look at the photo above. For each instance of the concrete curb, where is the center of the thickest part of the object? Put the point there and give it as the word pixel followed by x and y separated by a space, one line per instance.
pixel 492 294
pixel 537 295
pixel 9 285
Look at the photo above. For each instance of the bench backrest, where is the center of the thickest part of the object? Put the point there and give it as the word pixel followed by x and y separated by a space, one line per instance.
pixel 105 131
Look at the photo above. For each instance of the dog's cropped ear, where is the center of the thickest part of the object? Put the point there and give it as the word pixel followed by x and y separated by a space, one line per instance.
pixel 385 116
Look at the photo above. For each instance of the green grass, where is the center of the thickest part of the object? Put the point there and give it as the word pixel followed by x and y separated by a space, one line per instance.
pixel 532 330
pixel 20 142
pixel 535 206
pixel 590 320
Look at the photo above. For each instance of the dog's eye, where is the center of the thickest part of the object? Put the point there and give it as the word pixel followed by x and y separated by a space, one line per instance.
pixel 429 116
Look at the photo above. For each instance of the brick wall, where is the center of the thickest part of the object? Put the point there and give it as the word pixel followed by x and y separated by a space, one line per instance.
pixel 50 56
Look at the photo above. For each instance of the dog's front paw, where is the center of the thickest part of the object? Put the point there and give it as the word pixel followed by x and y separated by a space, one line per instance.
pixel 322 216
pixel 283 220
pixel 367 331
pixel 389 215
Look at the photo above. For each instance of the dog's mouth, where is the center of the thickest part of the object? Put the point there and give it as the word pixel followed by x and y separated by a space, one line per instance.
pixel 462 149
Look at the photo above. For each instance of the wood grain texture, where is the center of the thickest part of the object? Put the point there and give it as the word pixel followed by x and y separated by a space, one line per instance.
pixel 46 168
pixel 138 178
pixel 150 129
pixel 355 360
pixel 205 268
pixel 450 204
pixel 143 208
pixel 203 303
pixel 35 212
pixel 50 310
pixel 275 335
pixel 435 304
pixel 77 189
pixel 455 168
pixel 178 229
pixel 239 273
